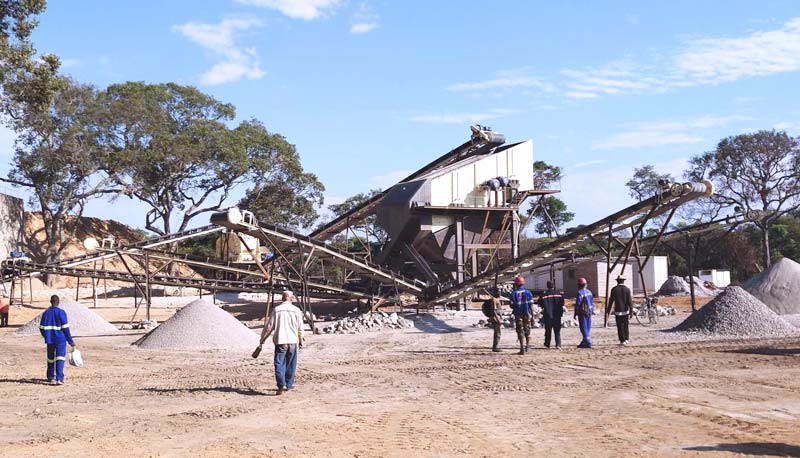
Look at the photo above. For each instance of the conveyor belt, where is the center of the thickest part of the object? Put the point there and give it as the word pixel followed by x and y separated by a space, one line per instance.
pixel 295 244
pixel 476 145
pixel 260 286
pixel 565 245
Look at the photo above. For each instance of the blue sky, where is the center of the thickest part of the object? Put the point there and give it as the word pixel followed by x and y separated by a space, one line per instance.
pixel 369 91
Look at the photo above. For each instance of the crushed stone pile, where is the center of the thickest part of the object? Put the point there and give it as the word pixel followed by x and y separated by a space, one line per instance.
pixel 368 322
pixel 778 287
pixel 200 325
pixel 82 321
pixel 734 312
pixel 677 286
pixel 567 321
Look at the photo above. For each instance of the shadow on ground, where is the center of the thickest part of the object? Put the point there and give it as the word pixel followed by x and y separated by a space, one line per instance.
pixel 30 381
pixel 217 389
pixel 767 351
pixel 751 448
pixel 432 325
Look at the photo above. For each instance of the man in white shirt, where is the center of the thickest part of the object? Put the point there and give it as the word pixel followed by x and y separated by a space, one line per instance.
pixel 286 322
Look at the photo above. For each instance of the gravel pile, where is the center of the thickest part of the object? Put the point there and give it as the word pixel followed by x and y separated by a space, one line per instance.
pixel 368 322
pixel 677 286
pixel 734 312
pixel 567 321
pixel 778 287
pixel 82 321
pixel 200 325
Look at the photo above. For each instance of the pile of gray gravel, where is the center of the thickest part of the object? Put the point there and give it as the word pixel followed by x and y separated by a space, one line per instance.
pixel 82 321
pixel 778 287
pixel 200 325
pixel 734 312
pixel 677 286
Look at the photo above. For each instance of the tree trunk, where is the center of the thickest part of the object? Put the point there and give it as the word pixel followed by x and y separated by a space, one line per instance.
pixel 765 254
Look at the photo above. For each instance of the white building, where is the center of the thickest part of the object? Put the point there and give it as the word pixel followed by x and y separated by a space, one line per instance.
pixel 720 278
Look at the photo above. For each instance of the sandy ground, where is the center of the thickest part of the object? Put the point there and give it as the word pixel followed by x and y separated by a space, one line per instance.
pixel 435 390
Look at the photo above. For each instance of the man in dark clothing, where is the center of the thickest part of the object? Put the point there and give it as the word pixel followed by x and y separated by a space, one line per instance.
pixel 622 301
pixel 522 306
pixel 552 305
pixel 55 330
pixel 495 319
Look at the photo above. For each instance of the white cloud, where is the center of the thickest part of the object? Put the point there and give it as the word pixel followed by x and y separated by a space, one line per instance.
pixel 295 9
pixel 237 62
pixel 364 20
pixel 581 95
pixel 363 27
pixel 788 126
pixel 506 79
pixel 665 133
pixel 717 60
pixel 461 118
pixel 389 179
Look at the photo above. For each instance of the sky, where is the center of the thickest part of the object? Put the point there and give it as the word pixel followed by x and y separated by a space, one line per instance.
pixel 370 91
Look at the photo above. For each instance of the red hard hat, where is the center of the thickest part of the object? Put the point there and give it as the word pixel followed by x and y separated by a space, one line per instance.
pixel 518 280
pixel 581 281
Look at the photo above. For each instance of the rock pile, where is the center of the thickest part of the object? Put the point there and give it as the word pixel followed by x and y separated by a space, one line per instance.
pixel 567 321
pixel 368 322
pixel 144 324
pixel 200 325
pixel 735 312
pixel 778 287
pixel 82 321
pixel 677 286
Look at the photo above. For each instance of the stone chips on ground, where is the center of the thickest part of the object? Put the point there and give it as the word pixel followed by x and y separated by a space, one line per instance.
pixel 82 321
pixel 778 287
pixel 200 325
pixel 734 312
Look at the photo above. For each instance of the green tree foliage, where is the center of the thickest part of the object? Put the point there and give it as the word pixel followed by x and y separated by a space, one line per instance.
pixel 374 233
pixel 645 182
pixel 551 214
pixel 282 193
pixel 59 159
pixel 756 173
pixel 176 153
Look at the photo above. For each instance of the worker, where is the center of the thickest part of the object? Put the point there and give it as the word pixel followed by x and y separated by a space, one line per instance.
pixel 584 308
pixel 55 330
pixel 522 306
pixel 552 304
pixel 492 308
pixel 4 305
pixel 286 322
pixel 621 299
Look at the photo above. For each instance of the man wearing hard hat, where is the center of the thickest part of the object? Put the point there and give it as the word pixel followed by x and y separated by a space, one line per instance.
pixel 522 306
pixel 584 308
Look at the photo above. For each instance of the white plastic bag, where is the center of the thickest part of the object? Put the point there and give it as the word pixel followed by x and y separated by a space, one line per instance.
pixel 75 358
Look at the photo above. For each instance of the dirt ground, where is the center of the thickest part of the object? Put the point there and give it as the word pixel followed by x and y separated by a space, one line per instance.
pixel 435 390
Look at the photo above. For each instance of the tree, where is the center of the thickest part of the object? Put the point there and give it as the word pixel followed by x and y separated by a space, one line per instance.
pixel 757 173
pixel 58 158
pixel 646 182
pixel 551 214
pixel 550 211
pixel 176 153
pixel 371 228
pixel 282 193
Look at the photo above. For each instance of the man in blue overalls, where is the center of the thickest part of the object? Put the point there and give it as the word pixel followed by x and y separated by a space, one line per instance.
pixel 584 308
pixel 55 330
pixel 522 306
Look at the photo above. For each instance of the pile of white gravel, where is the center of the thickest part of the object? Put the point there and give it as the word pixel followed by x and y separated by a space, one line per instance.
pixel 734 312
pixel 700 289
pixel 82 321
pixel 200 325
pixel 778 287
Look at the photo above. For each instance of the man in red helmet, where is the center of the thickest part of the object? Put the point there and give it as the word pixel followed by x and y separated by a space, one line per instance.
pixel 584 308
pixel 521 305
